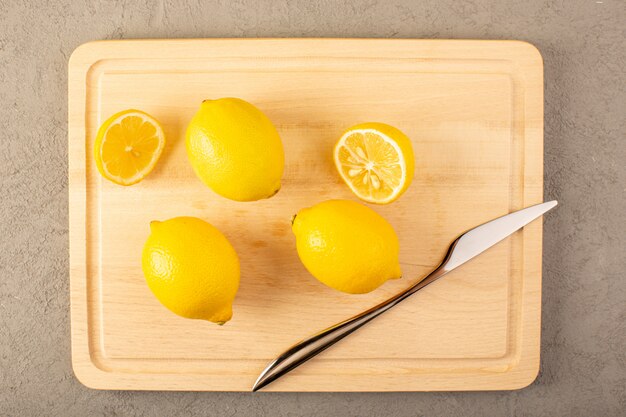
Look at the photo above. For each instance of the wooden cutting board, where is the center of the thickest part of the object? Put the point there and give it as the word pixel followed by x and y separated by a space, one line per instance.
pixel 474 111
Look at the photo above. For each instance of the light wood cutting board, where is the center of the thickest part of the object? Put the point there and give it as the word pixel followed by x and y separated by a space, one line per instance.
pixel 474 111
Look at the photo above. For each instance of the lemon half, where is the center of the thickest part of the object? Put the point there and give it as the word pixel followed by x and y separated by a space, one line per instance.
pixel 128 146
pixel 376 161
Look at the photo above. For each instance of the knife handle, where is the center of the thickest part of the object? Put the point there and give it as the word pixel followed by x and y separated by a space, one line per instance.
pixel 308 348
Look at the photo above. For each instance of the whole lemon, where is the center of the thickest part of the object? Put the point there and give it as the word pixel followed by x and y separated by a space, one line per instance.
pixel 347 246
pixel 191 268
pixel 235 150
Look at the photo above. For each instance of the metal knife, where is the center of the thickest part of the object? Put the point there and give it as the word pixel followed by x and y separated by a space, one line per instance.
pixel 470 244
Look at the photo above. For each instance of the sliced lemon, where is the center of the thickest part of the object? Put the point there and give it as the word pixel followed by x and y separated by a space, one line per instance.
pixel 376 161
pixel 128 146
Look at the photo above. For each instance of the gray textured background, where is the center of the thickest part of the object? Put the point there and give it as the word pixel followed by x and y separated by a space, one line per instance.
pixel 583 371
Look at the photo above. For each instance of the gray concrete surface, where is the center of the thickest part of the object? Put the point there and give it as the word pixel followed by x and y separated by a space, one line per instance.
pixel 583 366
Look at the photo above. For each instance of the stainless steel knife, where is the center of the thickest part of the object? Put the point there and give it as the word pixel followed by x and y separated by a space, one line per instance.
pixel 470 244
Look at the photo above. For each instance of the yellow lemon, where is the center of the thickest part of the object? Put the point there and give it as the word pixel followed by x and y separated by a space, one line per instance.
pixel 347 246
pixel 376 161
pixel 128 146
pixel 191 268
pixel 235 150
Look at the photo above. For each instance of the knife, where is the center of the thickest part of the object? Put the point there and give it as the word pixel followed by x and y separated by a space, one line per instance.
pixel 465 247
